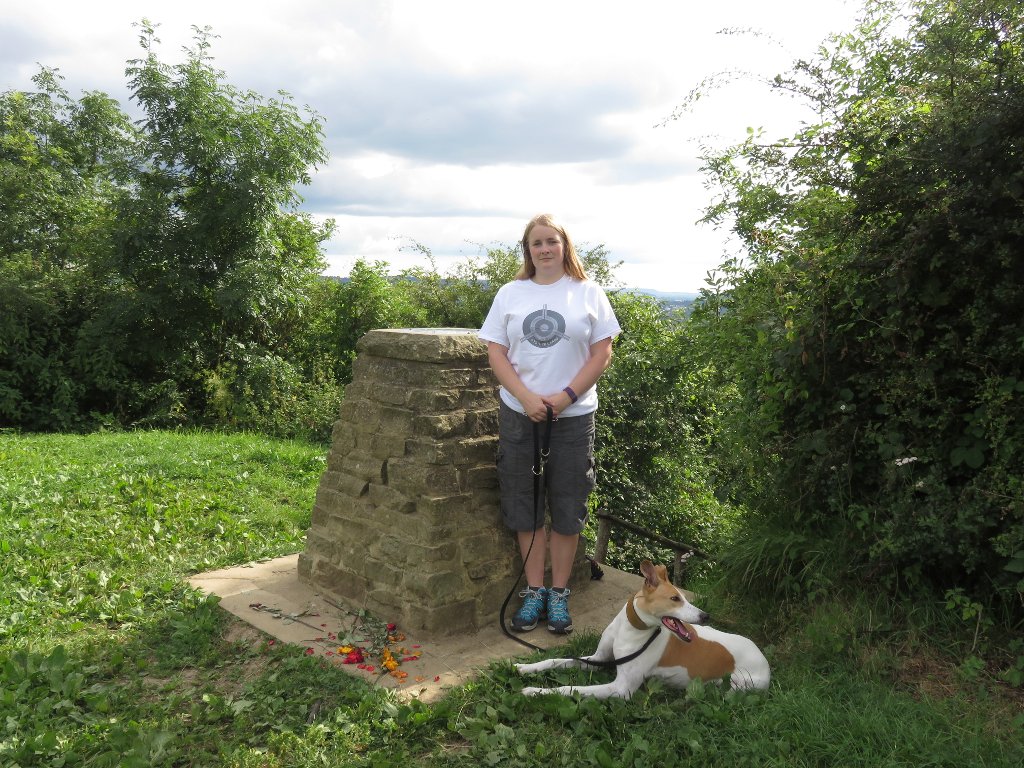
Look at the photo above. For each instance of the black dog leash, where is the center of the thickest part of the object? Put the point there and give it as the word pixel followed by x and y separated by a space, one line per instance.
pixel 613 662
pixel 541 451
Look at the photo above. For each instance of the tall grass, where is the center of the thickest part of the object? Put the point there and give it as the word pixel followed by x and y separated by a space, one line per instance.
pixel 108 658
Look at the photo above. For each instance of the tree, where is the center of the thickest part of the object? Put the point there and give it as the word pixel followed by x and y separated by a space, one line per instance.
pixel 61 165
pixel 874 333
pixel 210 250
pixel 182 235
pixel 656 431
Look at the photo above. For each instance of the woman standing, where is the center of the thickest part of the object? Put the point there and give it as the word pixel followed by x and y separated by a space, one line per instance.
pixel 549 338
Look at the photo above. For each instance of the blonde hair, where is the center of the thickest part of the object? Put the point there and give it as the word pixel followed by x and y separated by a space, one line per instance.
pixel 572 265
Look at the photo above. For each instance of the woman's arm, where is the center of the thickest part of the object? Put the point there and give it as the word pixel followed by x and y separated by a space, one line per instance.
pixel 600 359
pixel 497 356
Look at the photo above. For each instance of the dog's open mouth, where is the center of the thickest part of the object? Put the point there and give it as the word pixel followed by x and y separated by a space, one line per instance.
pixel 677 627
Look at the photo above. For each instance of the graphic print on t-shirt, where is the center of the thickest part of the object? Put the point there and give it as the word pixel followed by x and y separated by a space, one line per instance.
pixel 544 328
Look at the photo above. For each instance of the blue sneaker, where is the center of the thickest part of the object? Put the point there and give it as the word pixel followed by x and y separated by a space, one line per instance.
pixel 558 611
pixel 532 609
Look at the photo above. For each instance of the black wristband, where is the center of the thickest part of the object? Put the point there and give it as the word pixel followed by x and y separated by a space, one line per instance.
pixel 571 394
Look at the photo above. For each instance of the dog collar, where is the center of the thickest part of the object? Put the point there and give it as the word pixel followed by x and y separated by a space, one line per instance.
pixel 634 617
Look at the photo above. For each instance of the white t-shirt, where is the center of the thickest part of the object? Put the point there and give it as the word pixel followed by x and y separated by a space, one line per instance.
pixel 548 330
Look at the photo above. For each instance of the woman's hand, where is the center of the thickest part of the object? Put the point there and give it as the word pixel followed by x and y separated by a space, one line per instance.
pixel 600 357
pixel 558 401
pixel 536 407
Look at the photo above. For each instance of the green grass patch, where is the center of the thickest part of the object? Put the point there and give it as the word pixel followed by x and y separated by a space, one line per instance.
pixel 107 657
pixel 98 531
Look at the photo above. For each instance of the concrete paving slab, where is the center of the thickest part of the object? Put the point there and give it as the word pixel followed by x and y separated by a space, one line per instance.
pixel 269 596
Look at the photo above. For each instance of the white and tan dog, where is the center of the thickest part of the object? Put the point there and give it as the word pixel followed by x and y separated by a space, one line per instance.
pixel 683 653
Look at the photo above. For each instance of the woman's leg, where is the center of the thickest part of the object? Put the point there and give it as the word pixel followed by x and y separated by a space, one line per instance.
pixel 534 557
pixel 563 552
pixel 570 481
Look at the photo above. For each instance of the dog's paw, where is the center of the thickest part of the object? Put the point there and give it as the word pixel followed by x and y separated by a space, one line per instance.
pixel 531 691
pixel 526 669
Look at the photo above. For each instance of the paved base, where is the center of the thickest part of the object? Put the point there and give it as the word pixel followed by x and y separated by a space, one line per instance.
pixel 270 597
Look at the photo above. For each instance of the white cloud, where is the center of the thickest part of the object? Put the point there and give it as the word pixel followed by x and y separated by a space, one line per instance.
pixel 452 122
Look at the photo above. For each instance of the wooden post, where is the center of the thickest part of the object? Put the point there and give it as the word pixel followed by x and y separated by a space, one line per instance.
pixel 677 568
pixel 604 532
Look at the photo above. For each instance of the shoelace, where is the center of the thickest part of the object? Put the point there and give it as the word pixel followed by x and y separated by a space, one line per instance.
pixel 532 601
pixel 558 605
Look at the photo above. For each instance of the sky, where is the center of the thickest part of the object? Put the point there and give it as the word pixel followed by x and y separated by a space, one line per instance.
pixel 450 123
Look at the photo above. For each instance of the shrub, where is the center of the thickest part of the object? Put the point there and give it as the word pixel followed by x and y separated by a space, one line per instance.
pixel 880 378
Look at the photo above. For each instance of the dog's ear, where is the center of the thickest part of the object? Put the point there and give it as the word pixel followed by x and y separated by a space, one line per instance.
pixel 651 579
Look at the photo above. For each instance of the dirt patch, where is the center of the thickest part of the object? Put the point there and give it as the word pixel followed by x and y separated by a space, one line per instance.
pixel 929 677
pixel 240 632
pixel 184 678
pixel 243 663
pixel 244 669
pixel 933 678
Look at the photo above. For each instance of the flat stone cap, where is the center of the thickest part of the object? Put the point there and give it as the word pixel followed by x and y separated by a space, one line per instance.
pixel 427 344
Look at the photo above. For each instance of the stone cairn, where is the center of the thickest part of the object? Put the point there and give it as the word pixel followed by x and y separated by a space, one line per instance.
pixel 407 522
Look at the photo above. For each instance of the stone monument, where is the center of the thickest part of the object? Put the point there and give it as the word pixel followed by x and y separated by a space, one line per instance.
pixel 407 522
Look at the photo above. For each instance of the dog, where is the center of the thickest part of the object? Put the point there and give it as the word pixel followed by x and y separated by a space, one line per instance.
pixel 683 653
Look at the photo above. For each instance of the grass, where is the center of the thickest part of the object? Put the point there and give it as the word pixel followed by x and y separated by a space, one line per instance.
pixel 98 531
pixel 107 657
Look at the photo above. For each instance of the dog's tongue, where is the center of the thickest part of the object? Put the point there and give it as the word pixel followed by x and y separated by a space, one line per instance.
pixel 677 627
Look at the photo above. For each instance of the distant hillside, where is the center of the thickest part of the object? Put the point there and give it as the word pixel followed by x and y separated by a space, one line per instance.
pixel 667 295
pixel 671 299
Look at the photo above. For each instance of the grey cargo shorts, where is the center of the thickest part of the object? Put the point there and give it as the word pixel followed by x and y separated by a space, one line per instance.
pixel 568 475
